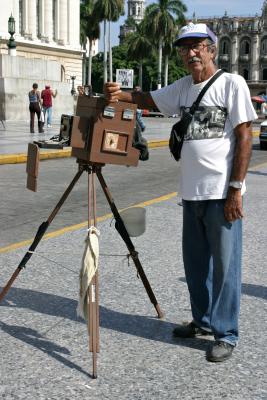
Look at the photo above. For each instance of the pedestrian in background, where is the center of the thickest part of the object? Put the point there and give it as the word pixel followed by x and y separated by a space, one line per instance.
pixel 46 96
pixel 213 166
pixel 139 112
pixel 35 108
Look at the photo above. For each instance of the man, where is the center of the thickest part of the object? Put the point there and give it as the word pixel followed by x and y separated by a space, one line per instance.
pixel 213 169
pixel 46 96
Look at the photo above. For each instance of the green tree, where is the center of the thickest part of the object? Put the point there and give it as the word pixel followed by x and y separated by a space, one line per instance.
pixel 139 48
pixel 90 29
pixel 108 10
pixel 161 21
pixel 121 61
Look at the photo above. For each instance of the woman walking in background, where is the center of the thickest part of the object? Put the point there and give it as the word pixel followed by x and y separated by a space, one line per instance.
pixel 34 107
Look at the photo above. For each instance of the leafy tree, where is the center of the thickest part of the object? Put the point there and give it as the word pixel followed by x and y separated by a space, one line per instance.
pixel 90 29
pixel 121 61
pixel 139 48
pixel 108 10
pixel 161 20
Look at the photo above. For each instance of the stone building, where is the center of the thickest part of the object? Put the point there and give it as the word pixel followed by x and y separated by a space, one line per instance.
pixel 47 37
pixel 136 10
pixel 242 46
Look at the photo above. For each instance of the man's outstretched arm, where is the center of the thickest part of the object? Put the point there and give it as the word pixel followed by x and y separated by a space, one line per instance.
pixel 113 93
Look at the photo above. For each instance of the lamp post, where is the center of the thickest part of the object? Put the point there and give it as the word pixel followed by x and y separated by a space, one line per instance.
pixel 11 30
pixel 73 91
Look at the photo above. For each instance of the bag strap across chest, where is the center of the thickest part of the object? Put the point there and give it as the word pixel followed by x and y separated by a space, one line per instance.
pixel 203 91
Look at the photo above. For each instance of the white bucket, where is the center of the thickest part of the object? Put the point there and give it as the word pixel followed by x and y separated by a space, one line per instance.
pixel 134 219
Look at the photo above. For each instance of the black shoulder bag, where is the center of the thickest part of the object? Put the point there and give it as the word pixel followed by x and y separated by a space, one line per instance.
pixel 179 129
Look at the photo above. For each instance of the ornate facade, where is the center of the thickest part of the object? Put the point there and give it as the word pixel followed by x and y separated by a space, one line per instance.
pixel 45 29
pixel 47 37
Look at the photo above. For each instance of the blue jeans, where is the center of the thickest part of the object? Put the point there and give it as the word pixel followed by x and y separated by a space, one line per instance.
pixel 212 249
pixel 48 112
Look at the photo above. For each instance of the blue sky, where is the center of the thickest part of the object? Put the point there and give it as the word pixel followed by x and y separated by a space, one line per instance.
pixel 202 8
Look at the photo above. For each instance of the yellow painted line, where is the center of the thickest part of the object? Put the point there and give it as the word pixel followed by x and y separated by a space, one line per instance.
pixel 44 155
pixel 158 143
pixel 84 224
pixel 52 154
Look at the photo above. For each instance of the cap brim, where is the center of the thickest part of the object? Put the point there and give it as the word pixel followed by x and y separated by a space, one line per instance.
pixel 190 35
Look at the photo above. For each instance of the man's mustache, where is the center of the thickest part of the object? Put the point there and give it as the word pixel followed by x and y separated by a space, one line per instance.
pixel 194 59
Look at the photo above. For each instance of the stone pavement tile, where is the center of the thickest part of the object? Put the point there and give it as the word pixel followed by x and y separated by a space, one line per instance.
pixel 44 346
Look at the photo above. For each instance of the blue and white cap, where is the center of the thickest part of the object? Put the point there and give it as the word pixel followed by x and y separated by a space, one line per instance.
pixel 197 31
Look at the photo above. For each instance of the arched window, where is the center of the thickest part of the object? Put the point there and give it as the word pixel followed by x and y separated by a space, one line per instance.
pixel 63 73
pixel 245 47
pixel 264 46
pixel 245 74
pixel 264 74
pixel 224 46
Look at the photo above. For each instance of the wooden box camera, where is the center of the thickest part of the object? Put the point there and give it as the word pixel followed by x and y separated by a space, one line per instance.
pixel 103 133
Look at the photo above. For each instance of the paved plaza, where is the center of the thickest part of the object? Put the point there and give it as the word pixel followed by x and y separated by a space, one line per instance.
pixel 44 345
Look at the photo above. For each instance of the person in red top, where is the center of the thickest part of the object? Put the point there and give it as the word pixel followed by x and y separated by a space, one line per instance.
pixel 46 96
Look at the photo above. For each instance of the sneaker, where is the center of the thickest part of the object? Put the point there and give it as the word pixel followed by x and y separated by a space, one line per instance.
pixel 219 351
pixel 189 331
pixel 49 126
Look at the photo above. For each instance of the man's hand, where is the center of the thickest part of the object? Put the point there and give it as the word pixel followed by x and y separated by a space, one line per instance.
pixel 112 91
pixel 233 209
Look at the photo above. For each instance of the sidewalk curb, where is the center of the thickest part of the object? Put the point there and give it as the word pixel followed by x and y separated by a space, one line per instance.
pixel 52 154
pixel 20 158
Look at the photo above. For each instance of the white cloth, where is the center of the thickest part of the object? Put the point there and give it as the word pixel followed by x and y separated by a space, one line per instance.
pixel 264 108
pixel 208 149
pixel 88 269
pixel 42 118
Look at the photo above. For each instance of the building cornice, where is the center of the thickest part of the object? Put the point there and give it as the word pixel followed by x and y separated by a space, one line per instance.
pixel 33 47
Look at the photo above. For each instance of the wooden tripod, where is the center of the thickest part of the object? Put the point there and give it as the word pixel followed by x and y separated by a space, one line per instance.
pixel 93 294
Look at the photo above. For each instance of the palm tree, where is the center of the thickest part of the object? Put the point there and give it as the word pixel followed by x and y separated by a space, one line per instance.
pixel 161 23
pixel 90 30
pixel 108 10
pixel 139 48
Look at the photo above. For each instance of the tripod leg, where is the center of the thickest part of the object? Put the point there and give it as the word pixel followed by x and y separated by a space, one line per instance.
pixel 40 233
pixel 93 323
pixel 126 238
pixel 93 290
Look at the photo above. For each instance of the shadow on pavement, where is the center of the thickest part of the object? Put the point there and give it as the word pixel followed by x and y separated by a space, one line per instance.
pixel 146 327
pixel 249 289
pixel 33 338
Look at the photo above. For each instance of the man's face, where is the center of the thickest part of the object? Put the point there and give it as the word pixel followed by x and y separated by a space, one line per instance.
pixel 196 55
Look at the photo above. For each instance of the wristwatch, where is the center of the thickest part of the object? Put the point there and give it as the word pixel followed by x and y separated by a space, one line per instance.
pixel 236 184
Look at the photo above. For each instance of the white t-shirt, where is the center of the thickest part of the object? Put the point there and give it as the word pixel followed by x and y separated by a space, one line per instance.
pixel 208 149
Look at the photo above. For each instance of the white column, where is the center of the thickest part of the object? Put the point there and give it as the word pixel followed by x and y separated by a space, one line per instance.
pixel 32 19
pixel 25 21
pixel 48 20
pixel 234 55
pixel 74 23
pixel 255 51
pixel 63 21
